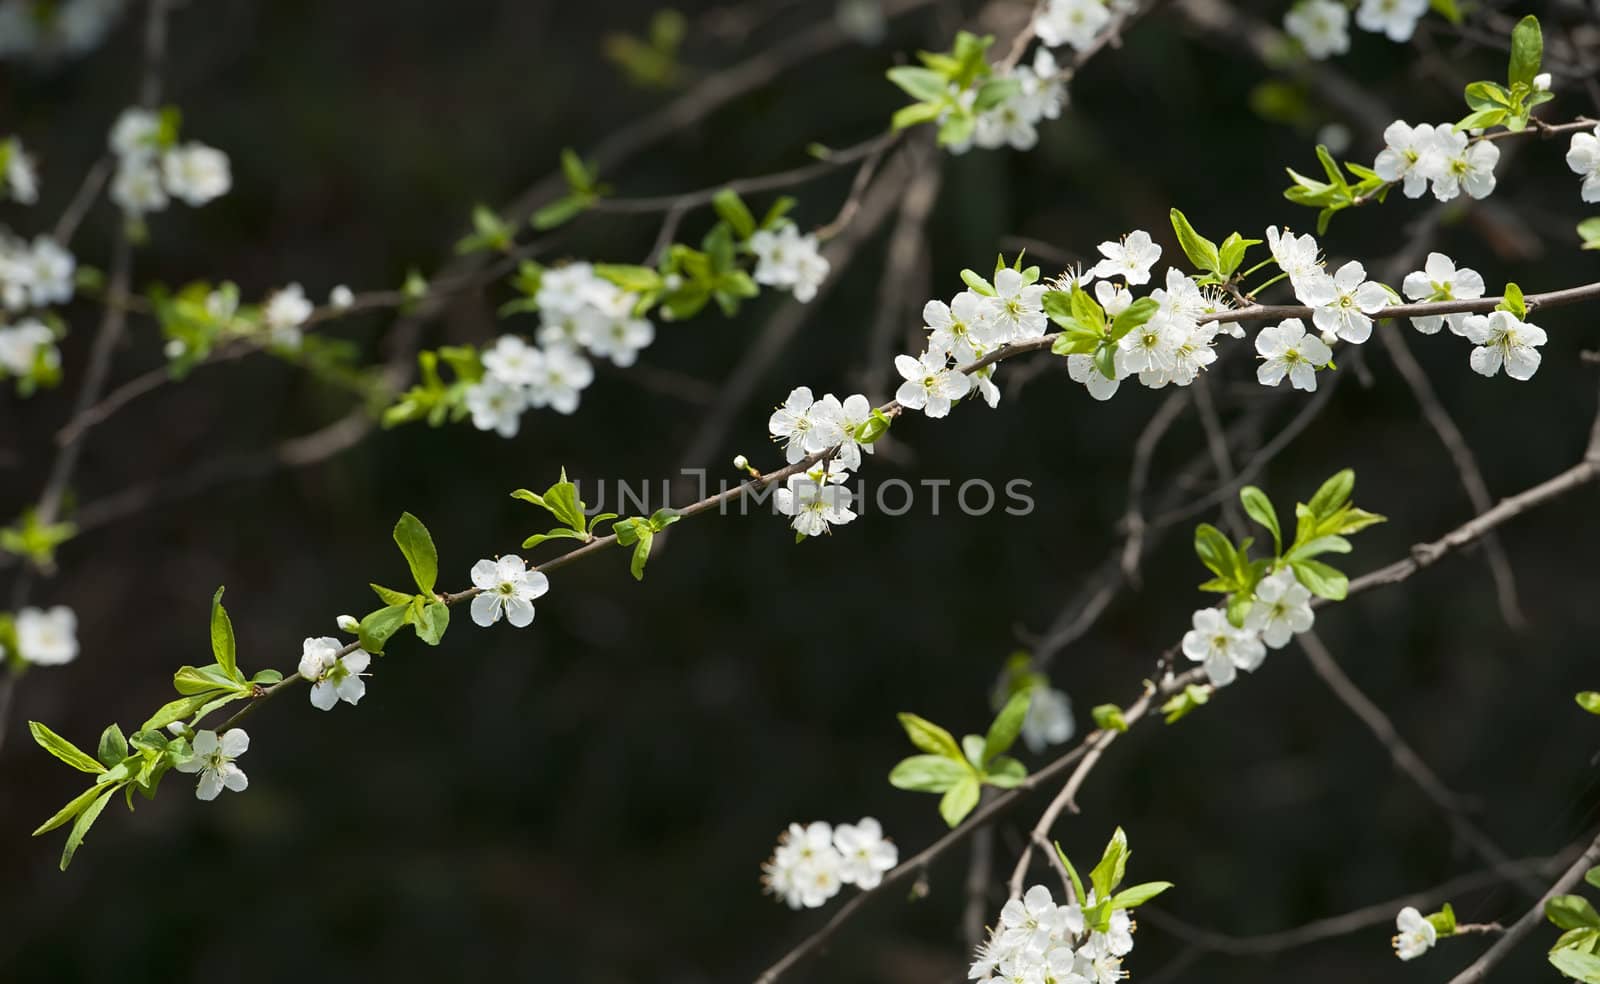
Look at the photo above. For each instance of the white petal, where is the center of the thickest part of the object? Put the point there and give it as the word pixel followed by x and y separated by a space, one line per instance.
pixel 486 609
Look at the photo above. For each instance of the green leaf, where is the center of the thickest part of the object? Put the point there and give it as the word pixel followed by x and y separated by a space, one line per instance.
pixel 1487 95
pixel 1576 964
pixel 995 91
pixel 1444 921
pixel 1133 316
pixel 81 826
pixel 1201 251
pixel 1322 580
pixel 1005 772
pixel 559 212
pixel 390 596
pixel 1527 51
pixel 1482 119
pixel 578 175
pixel 63 749
pixel 921 84
pixel 1259 508
pixel 560 499
pixel 1007 726
pixel 1138 894
pixel 1178 706
pixel 930 737
pixel 979 285
pixel 223 645
pixel 1589 700
pixel 928 774
pixel 637 279
pixel 378 626
pixel 178 710
pixel 72 809
pixel 191 680
pixel 1072 875
pixel 914 115
pixel 417 544
pixel 959 800
pixel 1107 875
pixel 1215 551
pixel 972 750
pixel 1589 232
pixel 1571 912
pixel 1513 302
pixel 1108 717
pixel 267 678
pixel 1333 493
pixel 732 209
pixel 1448 9
pixel 559 533
pixel 1105 359
pixel 434 620
pixel 113 746
pixel 1592 876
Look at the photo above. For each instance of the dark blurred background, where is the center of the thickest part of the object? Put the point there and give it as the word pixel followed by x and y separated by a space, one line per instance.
pixel 590 799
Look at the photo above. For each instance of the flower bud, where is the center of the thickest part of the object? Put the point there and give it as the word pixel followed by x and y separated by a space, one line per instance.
pixel 347 623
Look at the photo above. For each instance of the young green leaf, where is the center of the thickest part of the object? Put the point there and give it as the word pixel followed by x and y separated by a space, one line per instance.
pixel 1005 772
pixel 390 596
pixel 732 209
pixel 959 800
pixel 1322 580
pixel 1259 508
pixel 1107 875
pixel 433 621
pixel 1007 726
pixel 1577 964
pixel 223 645
pixel 1571 912
pixel 417 545
pixel 1527 51
pixel 178 710
pixel 1333 493
pixel 63 749
pixel 1589 700
pixel 930 737
pixel 1108 717
pixel 378 626
pixel 928 774
pixel 80 827
pixel 1201 251
pixel 921 84
pixel 1072 875
pixel 1137 895
pixel 113 746
pixel 72 809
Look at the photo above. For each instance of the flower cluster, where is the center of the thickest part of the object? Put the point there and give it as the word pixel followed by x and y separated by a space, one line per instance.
pixel 34 275
pixel 42 637
pixel 1583 156
pixel 787 260
pixel 816 498
pixel 1502 338
pixel 1436 154
pixel 1323 26
pixel 1040 94
pixel 1280 609
pixel 1076 23
pixel 1038 941
pixel 49 28
pixel 812 863
pixel 153 168
pixel 334 674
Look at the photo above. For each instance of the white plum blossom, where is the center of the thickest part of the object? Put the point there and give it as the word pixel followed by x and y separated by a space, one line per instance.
pixel 930 385
pixel 1396 19
pixel 341 298
pixel 563 375
pixel 866 853
pixel 1415 936
pixel 333 677
pixel 512 361
pixel 1463 166
pixel 1440 280
pixel 1298 256
pixel 1289 351
pixel 195 173
pixel 1083 370
pixel 1342 302
pixel 1130 259
pixel 136 188
pixel 1150 348
pixel 1412 155
pixel 1504 340
pixel 951 326
pixel 1043 92
pixel 135 132
pixel 806 869
pixel 1049 720
pixel 213 758
pixel 1282 609
pixel 805 425
pixel 983 382
pixel 1117 298
pixel 789 261
pixel 506 587
pixel 814 500
pixel 1583 157
pixel 36 275
pixel 47 637
pixel 1037 941
pixel 285 311
pixel 1321 26
pixel 854 411
pixel 496 405
pixel 1071 22
pixel 620 339
pixel 25 345
pixel 19 179
pixel 1222 649
pixel 1015 312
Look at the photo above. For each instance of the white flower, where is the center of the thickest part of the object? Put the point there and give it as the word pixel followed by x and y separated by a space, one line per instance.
pixel 814 501
pixel 1439 280
pixel 1343 301
pixel 1007 123
pixel 1071 22
pixel 1583 156
pixel 1192 352
pixel 1028 922
pixel 805 870
pixel 1462 167
pixel 619 339
pixel 1416 934
pixel 1151 347
pixel 1130 259
pixel 1541 82
pixel 788 260
pixel 1289 351
pixel 1411 156
pixel 1043 93
pixel 512 361
pixel 213 759
pixel 855 411
pixel 804 425
pixel 1282 608
pixel 983 382
pixel 1395 18
pixel 137 188
pixel 1015 312
pixel 506 586
pixel 929 385
pixel 1223 649
pixel 866 852
pixel 20 179
pixel 36 276
pixel 1083 370
pixel 348 623
pixel 563 375
pixel 196 173
pixel 340 298
pixel 1295 255
pixel 24 345
pixel 951 326
pixel 1504 340
pixel 286 310
pixel 1049 719
pixel 1321 26
pixel 333 677
pixel 134 133
pixel 496 405
pixel 47 638
pixel 1115 298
